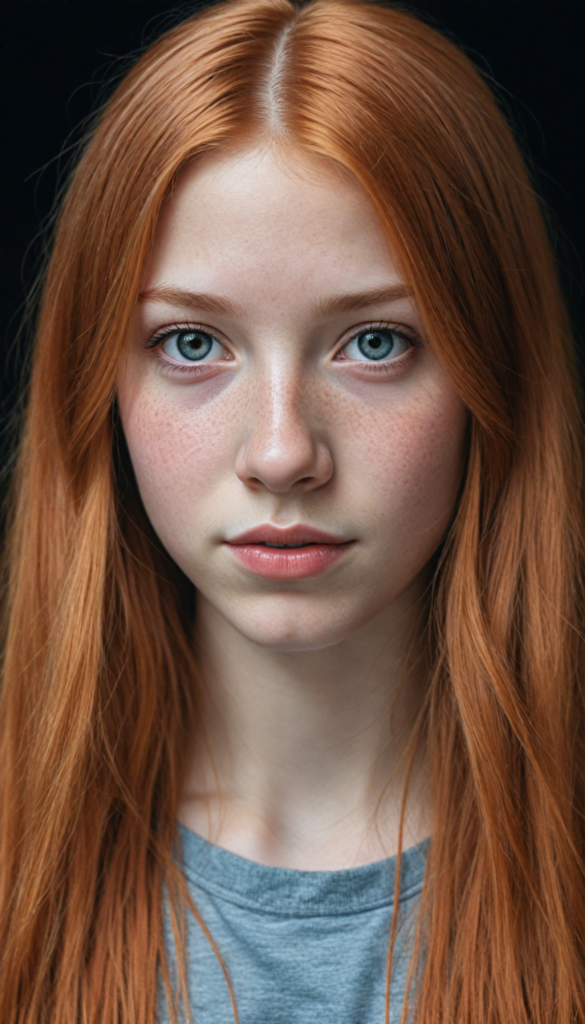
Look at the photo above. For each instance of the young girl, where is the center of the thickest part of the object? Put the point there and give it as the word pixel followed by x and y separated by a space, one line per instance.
pixel 292 709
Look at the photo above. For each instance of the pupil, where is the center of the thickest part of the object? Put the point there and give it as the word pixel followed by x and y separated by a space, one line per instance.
pixel 194 344
pixel 376 344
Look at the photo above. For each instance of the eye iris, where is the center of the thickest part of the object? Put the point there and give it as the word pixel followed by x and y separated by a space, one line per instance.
pixel 194 344
pixel 375 344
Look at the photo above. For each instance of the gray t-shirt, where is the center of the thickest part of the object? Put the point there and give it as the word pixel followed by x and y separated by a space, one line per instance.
pixel 301 947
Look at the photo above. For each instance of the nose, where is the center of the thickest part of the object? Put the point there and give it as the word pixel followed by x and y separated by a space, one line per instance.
pixel 283 448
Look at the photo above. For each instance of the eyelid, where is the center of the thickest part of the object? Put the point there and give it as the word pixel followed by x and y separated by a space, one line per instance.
pixel 162 333
pixel 409 334
pixel 403 330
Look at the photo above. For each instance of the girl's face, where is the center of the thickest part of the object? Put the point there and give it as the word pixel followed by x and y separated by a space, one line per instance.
pixel 278 391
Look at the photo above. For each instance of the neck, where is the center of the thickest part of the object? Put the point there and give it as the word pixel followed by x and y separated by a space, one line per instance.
pixel 304 759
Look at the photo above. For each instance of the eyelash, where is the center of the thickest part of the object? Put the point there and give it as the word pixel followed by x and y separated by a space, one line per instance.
pixel 189 370
pixel 371 368
pixel 167 332
pixel 393 366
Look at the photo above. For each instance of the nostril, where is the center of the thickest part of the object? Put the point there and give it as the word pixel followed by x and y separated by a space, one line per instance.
pixel 280 463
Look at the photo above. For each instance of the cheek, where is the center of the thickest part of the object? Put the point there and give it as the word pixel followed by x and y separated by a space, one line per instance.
pixel 410 458
pixel 178 455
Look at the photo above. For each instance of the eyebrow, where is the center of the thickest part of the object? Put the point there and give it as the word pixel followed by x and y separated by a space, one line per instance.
pixel 194 300
pixel 359 300
pixel 333 306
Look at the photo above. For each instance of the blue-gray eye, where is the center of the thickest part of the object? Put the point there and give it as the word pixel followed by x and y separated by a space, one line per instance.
pixel 194 344
pixel 191 345
pixel 377 343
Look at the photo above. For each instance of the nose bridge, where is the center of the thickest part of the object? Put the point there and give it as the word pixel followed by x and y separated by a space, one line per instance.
pixel 281 403
pixel 282 448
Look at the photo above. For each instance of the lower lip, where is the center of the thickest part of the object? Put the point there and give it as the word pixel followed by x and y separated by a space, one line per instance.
pixel 287 564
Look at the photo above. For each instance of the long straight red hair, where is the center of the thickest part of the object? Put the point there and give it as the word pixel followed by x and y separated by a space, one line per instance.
pixel 99 696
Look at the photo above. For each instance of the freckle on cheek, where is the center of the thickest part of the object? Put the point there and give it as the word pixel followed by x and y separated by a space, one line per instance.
pixel 173 452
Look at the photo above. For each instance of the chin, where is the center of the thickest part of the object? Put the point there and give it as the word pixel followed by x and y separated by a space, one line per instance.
pixel 291 644
pixel 289 631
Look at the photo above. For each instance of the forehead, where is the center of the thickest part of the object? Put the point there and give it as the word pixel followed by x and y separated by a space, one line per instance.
pixel 272 222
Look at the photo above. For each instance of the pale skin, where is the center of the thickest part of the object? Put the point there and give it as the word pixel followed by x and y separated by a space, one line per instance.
pixel 310 684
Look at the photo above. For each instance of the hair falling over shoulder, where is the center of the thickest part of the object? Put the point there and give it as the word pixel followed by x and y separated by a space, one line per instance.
pixel 98 696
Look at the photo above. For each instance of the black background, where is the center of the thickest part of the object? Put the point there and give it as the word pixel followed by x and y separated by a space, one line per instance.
pixel 59 59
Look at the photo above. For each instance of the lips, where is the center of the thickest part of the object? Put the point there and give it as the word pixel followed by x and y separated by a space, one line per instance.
pixel 293 552
pixel 290 536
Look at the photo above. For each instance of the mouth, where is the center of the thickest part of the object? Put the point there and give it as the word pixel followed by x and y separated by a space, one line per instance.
pixel 294 552
pixel 287 547
pixel 296 536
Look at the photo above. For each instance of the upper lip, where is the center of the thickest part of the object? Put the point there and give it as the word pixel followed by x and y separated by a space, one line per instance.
pixel 299 534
